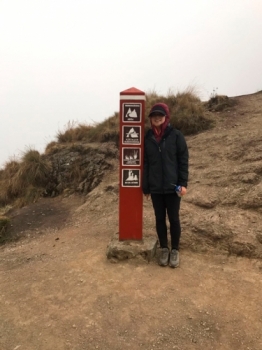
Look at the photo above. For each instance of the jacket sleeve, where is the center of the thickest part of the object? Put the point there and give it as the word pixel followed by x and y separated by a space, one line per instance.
pixel 182 160
pixel 145 182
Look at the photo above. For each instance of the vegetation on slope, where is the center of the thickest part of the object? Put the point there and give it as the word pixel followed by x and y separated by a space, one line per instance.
pixel 23 181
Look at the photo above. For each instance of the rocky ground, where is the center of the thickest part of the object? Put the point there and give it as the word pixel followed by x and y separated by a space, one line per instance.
pixel 59 291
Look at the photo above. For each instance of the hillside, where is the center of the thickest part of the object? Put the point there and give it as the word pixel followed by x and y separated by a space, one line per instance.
pixel 58 290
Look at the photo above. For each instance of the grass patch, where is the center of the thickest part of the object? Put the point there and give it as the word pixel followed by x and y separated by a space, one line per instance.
pixel 33 170
pixel 187 112
pixel 4 223
pixel 24 180
pixel 74 132
pixel 30 195
pixel 218 103
pixel 186 109
pixel 106 131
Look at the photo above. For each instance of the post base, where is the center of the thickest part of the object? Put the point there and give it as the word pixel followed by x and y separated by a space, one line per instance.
pixel 122 250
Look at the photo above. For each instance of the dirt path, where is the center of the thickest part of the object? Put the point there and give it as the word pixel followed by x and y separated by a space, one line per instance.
pixel 58 291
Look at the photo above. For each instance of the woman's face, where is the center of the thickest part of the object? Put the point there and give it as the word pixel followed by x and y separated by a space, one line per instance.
pixel 157 120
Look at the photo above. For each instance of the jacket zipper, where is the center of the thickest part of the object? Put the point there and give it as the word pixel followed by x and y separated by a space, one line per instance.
pixel 163 140
pixel 160 151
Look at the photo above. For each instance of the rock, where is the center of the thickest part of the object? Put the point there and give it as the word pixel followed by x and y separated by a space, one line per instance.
pixel 253 198
pixel 249 178
pixel 79 167
pixel 203 196
pixel 259 237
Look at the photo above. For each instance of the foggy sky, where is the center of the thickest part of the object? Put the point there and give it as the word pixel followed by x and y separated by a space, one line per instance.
pixel 64 61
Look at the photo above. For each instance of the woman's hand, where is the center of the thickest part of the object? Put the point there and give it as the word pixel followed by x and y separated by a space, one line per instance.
pixel 183 191
pixel 147 196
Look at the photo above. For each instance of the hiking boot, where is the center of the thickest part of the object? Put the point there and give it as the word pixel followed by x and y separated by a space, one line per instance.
pixel 164 257
pixel 174 258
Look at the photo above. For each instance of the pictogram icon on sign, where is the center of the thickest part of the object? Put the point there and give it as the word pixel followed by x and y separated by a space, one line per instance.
pixel 131 112
pixel 131 178
pixel 131 156
pixel 131 135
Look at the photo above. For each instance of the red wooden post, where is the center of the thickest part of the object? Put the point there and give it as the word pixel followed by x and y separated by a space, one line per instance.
pixel 131 146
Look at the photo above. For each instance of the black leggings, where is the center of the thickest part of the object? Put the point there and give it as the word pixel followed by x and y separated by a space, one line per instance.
pixel 170 204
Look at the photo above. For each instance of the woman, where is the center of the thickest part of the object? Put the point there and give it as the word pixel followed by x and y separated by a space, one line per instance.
pixel 165 167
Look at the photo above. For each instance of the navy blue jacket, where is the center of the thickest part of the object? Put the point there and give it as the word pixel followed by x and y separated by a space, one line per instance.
pixel 165 163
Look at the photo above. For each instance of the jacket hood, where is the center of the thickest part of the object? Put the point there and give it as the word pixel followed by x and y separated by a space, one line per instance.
pixel 162 106
pixel 167 119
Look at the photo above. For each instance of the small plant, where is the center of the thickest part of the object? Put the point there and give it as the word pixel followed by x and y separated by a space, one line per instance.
pixel 214 93
pixel 218 103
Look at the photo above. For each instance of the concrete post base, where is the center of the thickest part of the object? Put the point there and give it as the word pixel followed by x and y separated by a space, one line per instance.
pixel 122 250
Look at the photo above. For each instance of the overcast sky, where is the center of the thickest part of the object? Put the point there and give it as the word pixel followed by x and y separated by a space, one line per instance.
pixel 68 60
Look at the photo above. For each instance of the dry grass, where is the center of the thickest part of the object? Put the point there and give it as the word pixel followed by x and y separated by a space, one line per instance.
pixel 4 190
pixel 10 170
pixel 30 195
pixel 4 222
pixel 74 132
pixel 24 181
pixel 218 103
pixel 187 114
pixel 100 132
pixel 51 147
pixel 106 131
pixel 34 169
